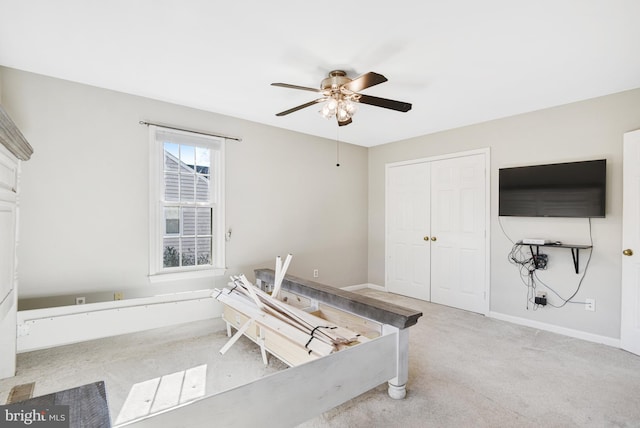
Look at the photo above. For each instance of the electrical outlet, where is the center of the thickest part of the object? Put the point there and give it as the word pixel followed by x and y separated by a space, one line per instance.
pixel 80 300
pixel 118 295
pixel 315 273
pixel 590 305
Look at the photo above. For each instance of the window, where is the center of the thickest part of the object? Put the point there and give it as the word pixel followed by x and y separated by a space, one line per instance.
pixel 186 204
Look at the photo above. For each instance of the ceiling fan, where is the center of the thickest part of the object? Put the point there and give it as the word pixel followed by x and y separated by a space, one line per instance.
pixel 341 94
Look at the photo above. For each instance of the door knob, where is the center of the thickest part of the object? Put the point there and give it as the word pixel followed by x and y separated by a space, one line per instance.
pixel 426 238
pixel 433 238
pixel 628 252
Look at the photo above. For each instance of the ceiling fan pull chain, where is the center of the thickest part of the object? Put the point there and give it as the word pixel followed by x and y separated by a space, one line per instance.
pixel 338 147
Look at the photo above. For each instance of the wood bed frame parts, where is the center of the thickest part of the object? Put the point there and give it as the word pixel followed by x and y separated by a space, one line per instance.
pixel 12 138
pixel 328 366
pixel 383 312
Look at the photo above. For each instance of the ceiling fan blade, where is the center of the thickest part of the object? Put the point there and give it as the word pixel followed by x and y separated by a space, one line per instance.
pixel 300 107
pixel 304 88
pixel 386 103
pixel 365 81
pixel 344 122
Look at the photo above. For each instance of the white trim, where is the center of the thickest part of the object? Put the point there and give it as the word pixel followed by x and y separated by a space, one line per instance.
pixel 182 275
pixel 610 341
pixel 49 327
pixel 363 286
pixel 630 290
pixel 157 273
pixel 487 233
pixel 154 190
pixel 485 151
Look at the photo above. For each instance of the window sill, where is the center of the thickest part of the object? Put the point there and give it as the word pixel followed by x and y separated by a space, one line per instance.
pixel 193 274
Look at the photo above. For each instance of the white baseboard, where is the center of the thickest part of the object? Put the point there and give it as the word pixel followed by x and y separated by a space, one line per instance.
pixel 49 327
pixel 363 286
pixel 557 329
pixel 610 341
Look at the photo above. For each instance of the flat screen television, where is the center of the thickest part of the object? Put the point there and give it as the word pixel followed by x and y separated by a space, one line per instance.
pixel 572 189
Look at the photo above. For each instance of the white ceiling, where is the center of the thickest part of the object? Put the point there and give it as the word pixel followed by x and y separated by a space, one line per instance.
pixel 457 61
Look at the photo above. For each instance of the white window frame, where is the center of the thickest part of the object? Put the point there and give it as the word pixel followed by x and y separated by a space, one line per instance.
pixel 157 272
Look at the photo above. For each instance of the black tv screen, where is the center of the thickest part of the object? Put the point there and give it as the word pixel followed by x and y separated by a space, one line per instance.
pixel 573 189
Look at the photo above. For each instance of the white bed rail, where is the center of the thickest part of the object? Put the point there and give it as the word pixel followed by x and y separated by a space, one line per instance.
pixel 63 325
pixel 291 396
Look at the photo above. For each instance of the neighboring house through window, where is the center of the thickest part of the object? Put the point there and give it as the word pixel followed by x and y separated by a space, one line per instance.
pixel 186 204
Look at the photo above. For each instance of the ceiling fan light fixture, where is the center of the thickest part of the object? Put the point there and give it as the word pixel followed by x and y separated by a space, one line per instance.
pixel 350 107
pixel 345 110
pixel 342 115
pixel 326 111
pixel 341 94
pixel 338 106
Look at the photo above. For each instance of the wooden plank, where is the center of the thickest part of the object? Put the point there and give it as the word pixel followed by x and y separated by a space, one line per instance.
pixel 290 353
pixel 302 320
pixel 335 333
pixel 294 300
pixel 276 324
pixel 263 349
pixel 251 291
pixel 276 281
pixel 279 275
pixel 236 336
pixel 363 326
pixel 237 319
pixel 304 391
pixel 383 312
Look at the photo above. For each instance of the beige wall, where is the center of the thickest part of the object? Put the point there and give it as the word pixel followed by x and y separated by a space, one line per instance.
pixel 591 129
pixel 84 206
pixel 84 209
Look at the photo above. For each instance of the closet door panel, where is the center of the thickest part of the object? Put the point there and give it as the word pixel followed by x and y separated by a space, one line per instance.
pixel 458 224
pixel 407 224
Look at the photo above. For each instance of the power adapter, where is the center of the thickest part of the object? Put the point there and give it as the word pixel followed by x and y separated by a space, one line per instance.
pixel 541 298
pixel 542 301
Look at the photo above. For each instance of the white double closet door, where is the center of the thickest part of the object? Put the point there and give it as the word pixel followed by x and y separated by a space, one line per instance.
pixel 436 230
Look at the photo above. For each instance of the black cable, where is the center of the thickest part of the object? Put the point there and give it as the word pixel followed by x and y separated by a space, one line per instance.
pixel 586 266
pixel 505 233
pixel 584 273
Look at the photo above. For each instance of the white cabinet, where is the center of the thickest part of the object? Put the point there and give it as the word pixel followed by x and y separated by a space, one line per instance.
pixel 14 148
pixel 9 166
